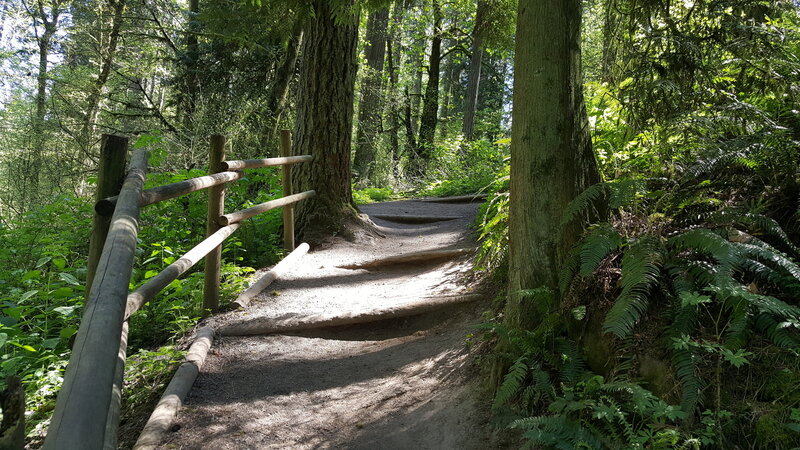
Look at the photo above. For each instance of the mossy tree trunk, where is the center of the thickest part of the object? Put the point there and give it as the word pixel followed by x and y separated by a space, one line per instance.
pixel 551 155
pixel 324 122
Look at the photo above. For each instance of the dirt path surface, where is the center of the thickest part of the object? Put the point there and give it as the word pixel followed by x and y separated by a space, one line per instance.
pixel 406 383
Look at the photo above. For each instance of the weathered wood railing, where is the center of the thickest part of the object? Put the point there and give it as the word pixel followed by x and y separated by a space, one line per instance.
pixel 88 406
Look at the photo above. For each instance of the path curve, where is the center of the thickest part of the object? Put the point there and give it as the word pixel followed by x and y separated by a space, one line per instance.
pixel 408 383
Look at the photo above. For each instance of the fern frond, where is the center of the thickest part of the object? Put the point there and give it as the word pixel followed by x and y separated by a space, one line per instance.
pixel 754 223
pixel 762 251
pixel 580 205
pixel 738 327
pixel 572 363
pixel 641 264
pixel 598 243
pixel 777 332
pixel 512 383
pixel 556 432
pixel 763 303
pixel 569 268
pixel 707 242
pixel 691 383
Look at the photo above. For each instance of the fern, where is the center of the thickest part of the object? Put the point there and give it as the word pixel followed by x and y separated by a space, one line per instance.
pixel 707 242
pixel 581 204
pixel 778 333
pixel 691 384
pixel 641 265
pixel 572 363
pixel 598 243
pixel 762 251
pixel 556 432
pixel 512 383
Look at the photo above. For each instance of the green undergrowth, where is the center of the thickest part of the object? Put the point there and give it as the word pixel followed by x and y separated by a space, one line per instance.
pixel 43 272
pixel 464 168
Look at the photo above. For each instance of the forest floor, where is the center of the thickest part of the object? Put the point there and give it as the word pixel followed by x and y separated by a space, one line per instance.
pixel 404 383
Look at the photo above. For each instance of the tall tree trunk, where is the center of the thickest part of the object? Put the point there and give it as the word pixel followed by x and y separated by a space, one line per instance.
pixel 280 90
pixel 50 24
pixel 324 122
pixel 610 44
pixel 106 60
pixel 393 59
pixel 192 60
pixel 370 105
pixel 474 75
pixel 430 105
pixel 551 155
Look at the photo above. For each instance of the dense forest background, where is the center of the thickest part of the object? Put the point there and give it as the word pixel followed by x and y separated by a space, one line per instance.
pixel 671 322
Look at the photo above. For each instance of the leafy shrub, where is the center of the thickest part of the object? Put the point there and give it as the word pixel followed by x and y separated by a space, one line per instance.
pixel 372 195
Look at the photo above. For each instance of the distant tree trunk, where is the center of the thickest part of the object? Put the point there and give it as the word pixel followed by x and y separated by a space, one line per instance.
pixel 474 74
pixel 106 60
pixel 192 60
pixel 283 78
pixel 370 106
pixel 50 24
pixel 393 59
pixel 609 41
pixel 430 105
pixel 551 155
pixel 324 123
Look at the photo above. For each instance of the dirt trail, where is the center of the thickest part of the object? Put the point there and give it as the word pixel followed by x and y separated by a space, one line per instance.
pixel 397 384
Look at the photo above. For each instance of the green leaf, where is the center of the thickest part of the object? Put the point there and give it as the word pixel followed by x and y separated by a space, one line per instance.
pixel 150 274
pixel 51 343
pixel 63 292
pixel 28 295
pixel 24 347
pixel 67 332
pixel 60 263
pixel 31 274
pixel 3 339
pixel 42 261
pixel 69 278
pixel 693 298
pixel 65 310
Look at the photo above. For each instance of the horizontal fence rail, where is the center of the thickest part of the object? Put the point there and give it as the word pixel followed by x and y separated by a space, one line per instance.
pixel 253 211
pixel 88 406
pixel 266 162
pixel 158 194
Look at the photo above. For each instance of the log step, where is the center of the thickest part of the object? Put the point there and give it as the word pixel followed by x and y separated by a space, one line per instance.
pixel 413 307
pixel 416 257
pixel 472 198
pixel 414 219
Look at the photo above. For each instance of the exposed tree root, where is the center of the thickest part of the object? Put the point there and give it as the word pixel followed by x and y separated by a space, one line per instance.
pixel 416 257
pixel 414 219
pixel 473 198
pixel 282 325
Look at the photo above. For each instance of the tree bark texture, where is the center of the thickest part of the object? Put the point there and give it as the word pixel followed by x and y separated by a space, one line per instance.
pixel 393 60
pixel 474 74
pixel 370 105
pixel 324 123
pixel 551 155
pixel 430 104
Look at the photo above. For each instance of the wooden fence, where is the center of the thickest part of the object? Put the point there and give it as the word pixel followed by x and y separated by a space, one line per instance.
pixel 88 406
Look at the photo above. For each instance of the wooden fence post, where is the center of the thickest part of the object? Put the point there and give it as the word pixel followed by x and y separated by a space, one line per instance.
pixel 110 175
pixel 288 210
pixel 216 206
